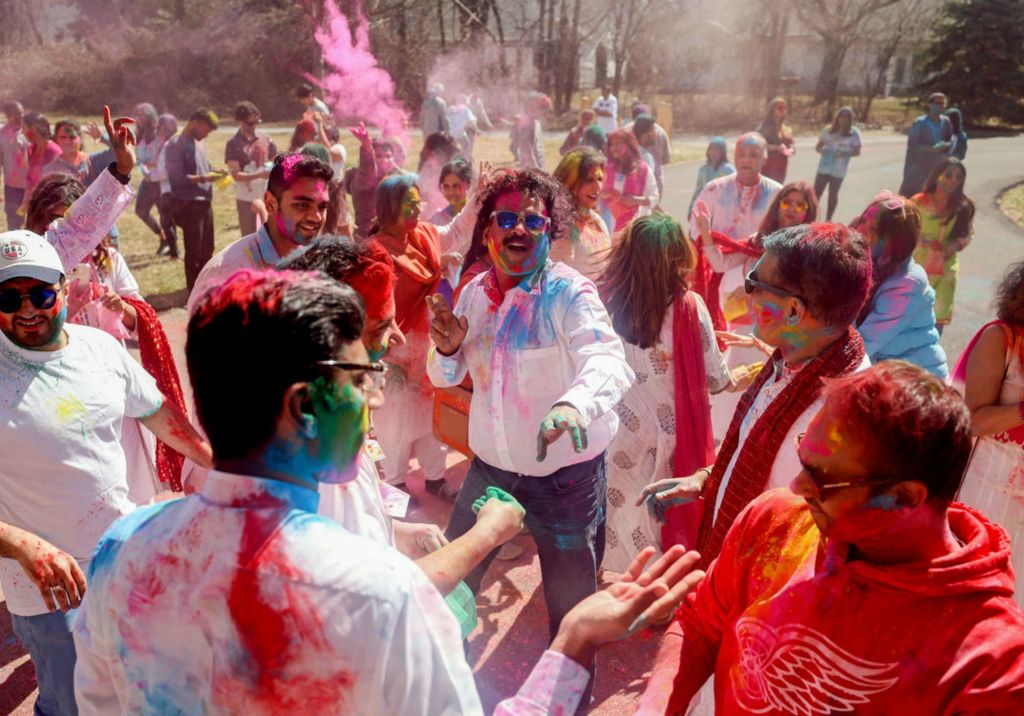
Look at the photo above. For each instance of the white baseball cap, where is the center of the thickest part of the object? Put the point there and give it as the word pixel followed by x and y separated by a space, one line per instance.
pixel 24 254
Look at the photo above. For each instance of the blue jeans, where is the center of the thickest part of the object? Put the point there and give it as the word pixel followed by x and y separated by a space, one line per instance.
pixel 12 200
pixel 565 513
pixel 47 637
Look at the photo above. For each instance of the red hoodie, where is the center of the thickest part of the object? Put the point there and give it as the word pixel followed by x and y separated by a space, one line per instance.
pixel 789 626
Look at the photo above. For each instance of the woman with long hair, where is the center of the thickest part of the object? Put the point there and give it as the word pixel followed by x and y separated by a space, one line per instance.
pixel 72 160
pixel 898 319
pixel 665 417
pixel 104 294
pixel 990 374
pixel 795 204
pixel 421 252
pixel 588 241
pixel 837 143
pixel 947 216
pixel 630 189
pixel 438 149
pixel 779 136
pixel 304 133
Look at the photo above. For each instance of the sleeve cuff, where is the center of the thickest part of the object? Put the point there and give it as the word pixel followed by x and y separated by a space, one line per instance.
pixel 556 683
pixel 123 178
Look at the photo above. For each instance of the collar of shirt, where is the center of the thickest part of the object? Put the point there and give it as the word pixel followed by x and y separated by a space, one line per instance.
pixel 245 492
pixel 531 283
pixel 265 246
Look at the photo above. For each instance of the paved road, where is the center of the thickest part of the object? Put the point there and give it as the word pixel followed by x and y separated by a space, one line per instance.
pixel 512 632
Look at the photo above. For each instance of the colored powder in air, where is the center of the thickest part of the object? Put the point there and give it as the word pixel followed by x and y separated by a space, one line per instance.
pixel 357 86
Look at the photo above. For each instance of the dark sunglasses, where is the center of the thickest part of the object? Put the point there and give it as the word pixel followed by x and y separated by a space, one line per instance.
pixel 508 220
pixel 750 284
pixel 40 296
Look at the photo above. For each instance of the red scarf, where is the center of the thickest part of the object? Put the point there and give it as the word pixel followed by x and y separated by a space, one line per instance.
pixel 158 361
pixel 417 260
pixel 753 467
pixel 706 281
pixel 695 444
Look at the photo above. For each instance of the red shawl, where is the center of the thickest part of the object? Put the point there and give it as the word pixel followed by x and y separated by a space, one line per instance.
pixel 158 361
pixel 706 281
pixel 417 260
pixel 757 455
pixel 695 444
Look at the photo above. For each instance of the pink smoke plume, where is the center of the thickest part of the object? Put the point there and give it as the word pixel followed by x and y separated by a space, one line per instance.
pixel 358 87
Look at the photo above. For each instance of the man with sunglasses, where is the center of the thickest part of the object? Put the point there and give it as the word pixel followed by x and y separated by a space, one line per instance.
pixel 805 293
pixel 242 600
pixel 863 587
pixel 545 361
pixel 247 155
pixel 64 392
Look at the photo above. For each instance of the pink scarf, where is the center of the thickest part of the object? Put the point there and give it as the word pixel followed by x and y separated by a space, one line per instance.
pixel 695 445
pixel 633 186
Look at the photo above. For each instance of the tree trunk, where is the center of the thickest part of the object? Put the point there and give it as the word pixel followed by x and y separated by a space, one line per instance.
pixel 776 49
pixel 828 77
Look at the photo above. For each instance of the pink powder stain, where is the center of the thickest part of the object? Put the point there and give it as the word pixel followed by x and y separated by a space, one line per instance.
pixel 281 638
pixel 358 87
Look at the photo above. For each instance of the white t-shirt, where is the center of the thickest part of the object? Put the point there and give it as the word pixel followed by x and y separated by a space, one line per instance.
pixel 62 467
pixel 610 104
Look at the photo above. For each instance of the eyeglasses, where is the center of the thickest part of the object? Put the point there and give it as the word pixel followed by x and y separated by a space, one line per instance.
pixel 508 220
pixel 373 373
pixel 750 284
pixel 798 205
pixel 40 296
pixel 821 487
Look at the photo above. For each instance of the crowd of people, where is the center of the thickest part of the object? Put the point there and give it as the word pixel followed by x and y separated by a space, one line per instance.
pixel 739 431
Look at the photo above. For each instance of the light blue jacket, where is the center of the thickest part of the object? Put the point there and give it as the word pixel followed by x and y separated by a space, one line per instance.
pixel 902 322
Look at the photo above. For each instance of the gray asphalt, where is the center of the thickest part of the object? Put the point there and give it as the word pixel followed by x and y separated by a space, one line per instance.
pixel 992 165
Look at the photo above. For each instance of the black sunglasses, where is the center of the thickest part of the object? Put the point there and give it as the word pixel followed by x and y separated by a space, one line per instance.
pixel 750 284
pixel 508 220
pixel 373 373
pixel 40 296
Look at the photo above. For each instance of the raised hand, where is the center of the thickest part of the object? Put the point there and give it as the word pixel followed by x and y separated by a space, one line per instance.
pixel 560 419
pixel 702 218
pixel 446 329
pixel 501 512
pixel 362 134
pixel 730 339
pixel 673 491
pixel 122 140
pixel 484 174
pixel 641 598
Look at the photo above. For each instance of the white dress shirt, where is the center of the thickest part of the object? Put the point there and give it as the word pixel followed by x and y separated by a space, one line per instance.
pixel 240 600
pixel 548 340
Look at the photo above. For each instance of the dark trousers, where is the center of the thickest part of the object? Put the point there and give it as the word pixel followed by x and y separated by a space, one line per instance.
pixel 246 217
pixel 170 229
pixel 833 184
pixel 12 200
pixel 147 198
pixel 196 221
pixel 565 513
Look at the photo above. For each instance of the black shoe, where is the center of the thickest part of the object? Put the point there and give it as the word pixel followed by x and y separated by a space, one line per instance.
pixel 163 249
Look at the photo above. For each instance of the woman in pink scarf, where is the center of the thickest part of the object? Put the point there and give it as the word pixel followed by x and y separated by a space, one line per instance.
pixel 630 189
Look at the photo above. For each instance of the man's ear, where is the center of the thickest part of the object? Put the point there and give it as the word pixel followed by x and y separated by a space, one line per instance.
pixel 270 201
pixel 796 311
pixel 297 410
pixel 910 494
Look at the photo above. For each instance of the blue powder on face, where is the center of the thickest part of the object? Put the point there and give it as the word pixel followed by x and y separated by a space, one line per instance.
pixel 885 502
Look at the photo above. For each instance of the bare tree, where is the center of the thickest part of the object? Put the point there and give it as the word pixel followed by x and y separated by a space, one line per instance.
pixel 629 20
pixel 839 23
pixel 888 30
